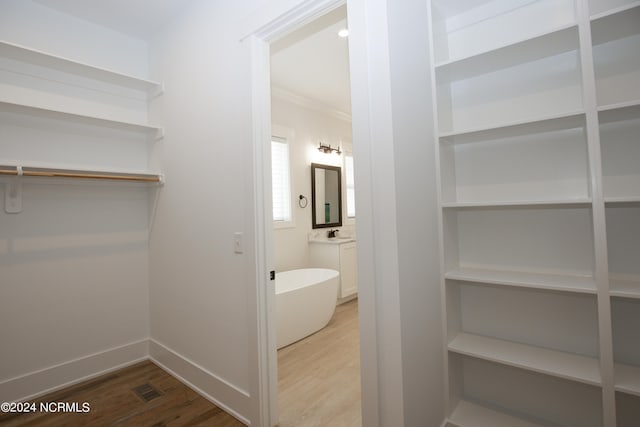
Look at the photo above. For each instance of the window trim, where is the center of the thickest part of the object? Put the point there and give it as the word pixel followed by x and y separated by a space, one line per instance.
pixel 286 135
pixel 348 153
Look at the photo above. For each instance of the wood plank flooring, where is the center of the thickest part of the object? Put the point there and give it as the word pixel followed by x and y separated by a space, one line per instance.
pixel 114 403
pixel 319 385
pixel 319 377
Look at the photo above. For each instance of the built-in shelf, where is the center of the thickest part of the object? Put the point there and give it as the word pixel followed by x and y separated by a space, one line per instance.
pixel 551 282
pixel 568 120
pixel 517 203
pixel 46 113
pixel 37 57
pixel 467 414
pixel 514 84
pixel 616 23
pixel 627 379
pixel 619 112
pixel 559 40
pixel 621 200
pixel 615 11
pixel 109 175
pixel 625 288
pixel 551 362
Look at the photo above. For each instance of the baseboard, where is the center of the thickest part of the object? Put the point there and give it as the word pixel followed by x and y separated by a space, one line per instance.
pixel 37 383
pixel 232 400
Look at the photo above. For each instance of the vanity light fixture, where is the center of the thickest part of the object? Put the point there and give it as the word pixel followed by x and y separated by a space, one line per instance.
pixel 343 33
pixel 328 149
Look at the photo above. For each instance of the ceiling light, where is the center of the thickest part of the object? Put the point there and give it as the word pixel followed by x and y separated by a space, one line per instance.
pixel 343 32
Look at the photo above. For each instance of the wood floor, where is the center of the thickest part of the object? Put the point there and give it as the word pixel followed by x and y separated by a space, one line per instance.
pixel 319 377
pixel 319 385
pixel 114 403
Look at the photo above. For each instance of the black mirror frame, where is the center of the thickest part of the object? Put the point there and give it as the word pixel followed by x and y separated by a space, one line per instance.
pixel 314 224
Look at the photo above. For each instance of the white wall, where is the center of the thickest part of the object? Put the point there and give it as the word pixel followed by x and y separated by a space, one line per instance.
pixel 74 263
pixel 200 288
pixel 307 127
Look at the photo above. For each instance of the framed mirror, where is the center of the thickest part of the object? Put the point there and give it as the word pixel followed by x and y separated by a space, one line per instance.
pixel 326 196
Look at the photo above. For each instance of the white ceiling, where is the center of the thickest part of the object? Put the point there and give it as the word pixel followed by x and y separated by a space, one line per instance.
pixel 137 18
pixel 313 62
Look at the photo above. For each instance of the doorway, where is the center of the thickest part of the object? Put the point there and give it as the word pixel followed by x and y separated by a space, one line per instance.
pixel 286 23
pixel 319 375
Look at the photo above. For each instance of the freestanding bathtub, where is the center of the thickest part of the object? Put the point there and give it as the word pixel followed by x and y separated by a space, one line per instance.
pixel 305 302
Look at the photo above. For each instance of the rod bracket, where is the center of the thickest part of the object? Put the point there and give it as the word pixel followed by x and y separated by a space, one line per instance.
pixel 13 194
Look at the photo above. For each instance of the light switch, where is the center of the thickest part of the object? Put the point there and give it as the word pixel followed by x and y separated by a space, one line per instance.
pixel 237 242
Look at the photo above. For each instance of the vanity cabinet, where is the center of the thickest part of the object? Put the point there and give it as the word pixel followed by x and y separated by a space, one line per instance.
pixel 340 256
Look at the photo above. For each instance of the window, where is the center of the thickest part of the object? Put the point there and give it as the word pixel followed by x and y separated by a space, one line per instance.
pixel 280 180
pixel 351 194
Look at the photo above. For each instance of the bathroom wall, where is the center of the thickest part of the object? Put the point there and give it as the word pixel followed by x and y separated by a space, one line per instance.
pixel 74 263
pixel 307 126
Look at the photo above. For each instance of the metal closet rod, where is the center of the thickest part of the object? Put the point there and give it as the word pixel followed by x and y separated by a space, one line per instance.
pixel 81 174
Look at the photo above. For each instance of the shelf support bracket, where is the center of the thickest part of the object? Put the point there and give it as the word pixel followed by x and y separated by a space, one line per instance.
pixel 13 194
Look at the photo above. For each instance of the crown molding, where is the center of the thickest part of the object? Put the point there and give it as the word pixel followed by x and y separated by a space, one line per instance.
pixel 303 101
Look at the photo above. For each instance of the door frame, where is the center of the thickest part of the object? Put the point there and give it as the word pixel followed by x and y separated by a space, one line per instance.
pixel 265 346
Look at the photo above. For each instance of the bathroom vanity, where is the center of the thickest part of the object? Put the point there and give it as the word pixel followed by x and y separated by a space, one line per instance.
pixel 339 254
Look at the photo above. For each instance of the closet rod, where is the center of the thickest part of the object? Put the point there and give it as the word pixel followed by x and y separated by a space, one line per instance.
pixel 64 173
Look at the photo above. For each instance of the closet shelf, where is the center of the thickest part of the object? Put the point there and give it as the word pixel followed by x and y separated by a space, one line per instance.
pixel 518 203
pixel 627 379
pixel 551 362
pixel 621 200
pixel 47 172
pixel 467 414
pixel 550 282
pixel 619 112
pixel 562 121
pixel 615 11
pixel 37 57
pixel 47 113
pixel 615 24
pixel 557 41
pixel 625 288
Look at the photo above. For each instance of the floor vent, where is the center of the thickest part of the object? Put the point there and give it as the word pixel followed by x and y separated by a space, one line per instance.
pixel 147 392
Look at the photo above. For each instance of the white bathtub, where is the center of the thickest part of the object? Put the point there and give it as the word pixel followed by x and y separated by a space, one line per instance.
pixel 305 302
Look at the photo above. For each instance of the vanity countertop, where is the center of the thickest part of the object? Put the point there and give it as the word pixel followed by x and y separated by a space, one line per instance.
pixel 332 241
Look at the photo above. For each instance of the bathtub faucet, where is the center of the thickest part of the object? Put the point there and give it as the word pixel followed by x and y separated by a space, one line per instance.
pixel 332 233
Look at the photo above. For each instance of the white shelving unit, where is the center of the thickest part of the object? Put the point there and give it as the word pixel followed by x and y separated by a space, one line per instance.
pixel 68 119
pixel 538 113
